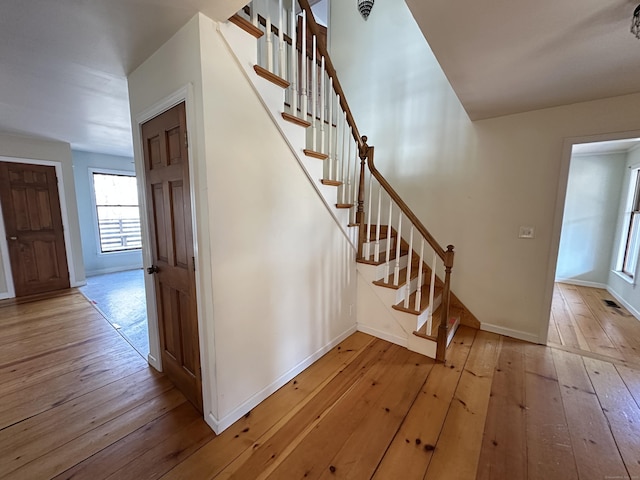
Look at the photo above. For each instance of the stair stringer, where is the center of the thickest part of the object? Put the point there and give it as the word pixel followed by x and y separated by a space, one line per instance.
pixel 376 316
pixel 243 48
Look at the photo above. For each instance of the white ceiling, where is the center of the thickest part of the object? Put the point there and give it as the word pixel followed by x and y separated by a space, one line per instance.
pixel 63 63
pixel 504 57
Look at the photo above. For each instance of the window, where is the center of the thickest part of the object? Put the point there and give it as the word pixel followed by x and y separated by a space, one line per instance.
pixel 116 197
pixel 631 234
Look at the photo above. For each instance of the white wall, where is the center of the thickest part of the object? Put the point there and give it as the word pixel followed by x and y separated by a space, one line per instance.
pixel 590 218
pixel 627 292
pixel 277 276
pixel 49 152
pixel 472 184
pixel 95 262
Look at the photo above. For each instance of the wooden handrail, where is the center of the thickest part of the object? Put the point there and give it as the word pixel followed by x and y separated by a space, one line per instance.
pixel 313 26
pixel 403 206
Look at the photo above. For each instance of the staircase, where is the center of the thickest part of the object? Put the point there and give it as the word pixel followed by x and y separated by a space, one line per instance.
pixel 404 274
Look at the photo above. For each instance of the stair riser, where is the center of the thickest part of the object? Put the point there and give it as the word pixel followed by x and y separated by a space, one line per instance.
pixel 370 247
pixel 424 316
pixel 376 272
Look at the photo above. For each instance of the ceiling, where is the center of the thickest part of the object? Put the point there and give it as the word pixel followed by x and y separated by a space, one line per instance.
pixel 504 57
pixel 63 63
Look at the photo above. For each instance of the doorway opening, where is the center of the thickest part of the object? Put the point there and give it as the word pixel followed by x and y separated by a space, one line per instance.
pixel 120 297
pixel 594 306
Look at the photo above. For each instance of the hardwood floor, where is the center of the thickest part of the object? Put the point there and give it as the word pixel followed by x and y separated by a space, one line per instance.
pixel 581 321
pixel 77 402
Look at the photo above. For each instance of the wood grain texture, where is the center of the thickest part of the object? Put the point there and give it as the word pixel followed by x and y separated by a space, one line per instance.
pixel 91 409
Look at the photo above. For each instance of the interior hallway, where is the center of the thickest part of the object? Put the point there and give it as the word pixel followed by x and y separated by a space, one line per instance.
pixel 583 320
pixel 76 401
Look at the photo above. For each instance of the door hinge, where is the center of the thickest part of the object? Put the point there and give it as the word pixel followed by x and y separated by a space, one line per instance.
pixel 186 139
pixel 193 261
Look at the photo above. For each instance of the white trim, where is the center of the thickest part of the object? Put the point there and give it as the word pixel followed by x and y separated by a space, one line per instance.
pixel 71 266
pixel 624 277
pixel 508 332
pixel 104 271
pixel 6 261
pixel 402 341
pixel 94 216
pixel 624 303
pixel 563 177
pixel 237 413
pixel 581 283
pixel 183 94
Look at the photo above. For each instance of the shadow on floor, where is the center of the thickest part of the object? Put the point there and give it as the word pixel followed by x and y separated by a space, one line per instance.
pixel 120 297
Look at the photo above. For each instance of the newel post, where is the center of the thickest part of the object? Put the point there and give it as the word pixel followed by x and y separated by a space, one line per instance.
pixel 443 329
pixel 363 153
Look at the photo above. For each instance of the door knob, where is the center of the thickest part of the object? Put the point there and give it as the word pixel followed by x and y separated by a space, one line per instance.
pixel 13 238
pixel 152 269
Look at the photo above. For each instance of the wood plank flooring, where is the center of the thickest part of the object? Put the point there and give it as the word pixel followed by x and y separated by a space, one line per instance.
pixel 581 321
pixel 76 402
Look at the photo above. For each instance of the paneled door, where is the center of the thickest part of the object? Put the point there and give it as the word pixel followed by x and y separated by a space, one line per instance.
pixel 33 224
pixel 169 209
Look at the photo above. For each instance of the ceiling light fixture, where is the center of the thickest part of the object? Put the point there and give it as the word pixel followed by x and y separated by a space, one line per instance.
pixel 364 7
pixel 635 23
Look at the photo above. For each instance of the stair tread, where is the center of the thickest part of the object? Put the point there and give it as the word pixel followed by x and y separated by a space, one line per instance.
pixel 402 278
pixel 454 314
pixel 383 257
pixel 246 25
pixel 383 232
pixel 424 302
pixel 332 183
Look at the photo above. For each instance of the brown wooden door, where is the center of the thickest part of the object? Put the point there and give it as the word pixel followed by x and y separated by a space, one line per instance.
pixel 33 223
pixel 169 209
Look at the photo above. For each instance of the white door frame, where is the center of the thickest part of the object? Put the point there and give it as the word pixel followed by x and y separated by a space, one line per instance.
pixel 4 247
pixel 184 94
pixel 556 231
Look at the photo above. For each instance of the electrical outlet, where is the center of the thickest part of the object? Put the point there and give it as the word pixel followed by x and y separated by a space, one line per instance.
pixel 526 232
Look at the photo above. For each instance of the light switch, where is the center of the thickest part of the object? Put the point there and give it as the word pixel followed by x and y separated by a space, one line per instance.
pixel 526 232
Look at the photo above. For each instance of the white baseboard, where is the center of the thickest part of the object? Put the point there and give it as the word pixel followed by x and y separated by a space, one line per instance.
pixel 153 361
pixel 582 283
pixel 104 271
pixel 219 426
pixel 624 303
pixel 383 335
pixel 508 332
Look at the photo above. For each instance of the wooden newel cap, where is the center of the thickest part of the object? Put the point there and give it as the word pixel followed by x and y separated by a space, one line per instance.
pixel 364 148
pixel 450 248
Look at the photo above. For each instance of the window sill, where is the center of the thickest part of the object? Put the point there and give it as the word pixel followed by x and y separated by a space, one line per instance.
pixel 625 277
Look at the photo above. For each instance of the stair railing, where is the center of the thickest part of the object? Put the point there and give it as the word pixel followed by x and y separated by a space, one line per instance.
pixel 290 49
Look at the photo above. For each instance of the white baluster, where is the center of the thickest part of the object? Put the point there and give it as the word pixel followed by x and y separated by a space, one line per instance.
pixel 367 252
pixel 408 278
pixel 419 290
pixel 432 289
pixel 336 152
pixel 294 60
pixel 389 238
pixel 304 100
pixel 314 96
pixel 330 144
pixel 376 252
pixel 323 104
pixel 269 40
pixel 346 187
pixel 254 13
pixel 281 42
pixel 355 179
pixel 345 159
pixel 396 270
